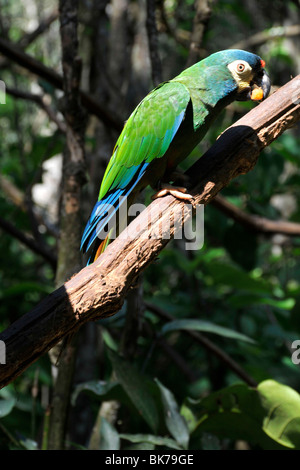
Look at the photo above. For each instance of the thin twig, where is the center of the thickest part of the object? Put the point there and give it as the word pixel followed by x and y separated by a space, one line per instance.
pixel 276 32
pixel 30 37
pixel 181 36
pixel 40 101
pixel 18 198
pixel 29 242
pixel 256 223
pixel 45 23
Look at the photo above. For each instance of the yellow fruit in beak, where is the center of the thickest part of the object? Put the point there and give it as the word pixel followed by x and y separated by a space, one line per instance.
pixel 257 94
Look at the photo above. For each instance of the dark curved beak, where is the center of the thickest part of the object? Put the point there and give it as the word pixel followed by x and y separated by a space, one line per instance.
pixel 262 80
pixel 259 87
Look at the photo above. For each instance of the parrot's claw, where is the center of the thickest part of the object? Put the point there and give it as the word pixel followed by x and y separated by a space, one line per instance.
pixel 176 191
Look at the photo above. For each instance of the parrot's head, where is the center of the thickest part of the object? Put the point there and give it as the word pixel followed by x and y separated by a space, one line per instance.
pixel 243 72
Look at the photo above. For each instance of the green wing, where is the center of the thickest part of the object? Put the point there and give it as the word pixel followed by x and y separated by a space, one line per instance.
pixel 146 135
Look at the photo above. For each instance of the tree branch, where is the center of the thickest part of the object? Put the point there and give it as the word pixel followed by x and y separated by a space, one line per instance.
pixel 23 59
pixel 40 101
pixel 30 37
pixel 45 23
pixel 153 41
pixel 18 198
pixel 99 290
pixel 271 34
pixel 181 36
pixel 255 222
pixel 201 19
pixel 69 256
pixel 37 248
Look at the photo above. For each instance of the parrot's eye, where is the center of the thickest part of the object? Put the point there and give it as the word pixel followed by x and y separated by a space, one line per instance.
pixel 240 70
pixel 240 67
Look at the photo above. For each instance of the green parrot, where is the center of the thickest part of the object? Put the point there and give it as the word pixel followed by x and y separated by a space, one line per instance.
pixel 163 130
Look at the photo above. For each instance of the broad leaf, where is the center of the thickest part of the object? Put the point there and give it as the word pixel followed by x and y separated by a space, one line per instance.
pixel 109 437
pixel 282 413
pixel 236 278
pixel 97 387
pixel 150 439
pixel 208 327
pixel 136 387
pixel 6 406
pixel 268 416
pixel 175 422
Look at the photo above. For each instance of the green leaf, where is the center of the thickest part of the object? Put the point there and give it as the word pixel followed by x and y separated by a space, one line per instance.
pixel 232 413
pixel 97 387
pixel 189 417
pixel 140 446
pixel 108 339
pixel 282 413
pixel 175 423
pixel 29 444
pixel 150 439
pixel 243 300
pixel 23 287
pixel 109 437
pixel 6 406
pixel 236 278
pixel 201 325
pixel 137 388
pixel 268 416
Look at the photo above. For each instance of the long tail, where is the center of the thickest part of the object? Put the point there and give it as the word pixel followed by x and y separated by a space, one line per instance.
pixel 103 223
pixel 98 249
pixel 101 226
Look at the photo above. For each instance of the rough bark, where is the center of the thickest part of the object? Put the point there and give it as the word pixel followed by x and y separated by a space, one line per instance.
pixel 153 43
pixel 99 290
pixel 69 257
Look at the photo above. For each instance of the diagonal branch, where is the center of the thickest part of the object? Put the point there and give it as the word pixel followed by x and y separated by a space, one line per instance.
pixel 40 101
pixel 256 223
pixel 45 23
pixel 29 37
pixel 32 244
pixel 18 198
pixel 13 52
pixel 276 32
pixel 99 290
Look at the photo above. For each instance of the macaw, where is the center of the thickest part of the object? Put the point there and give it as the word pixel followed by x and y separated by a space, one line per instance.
pixel 165 127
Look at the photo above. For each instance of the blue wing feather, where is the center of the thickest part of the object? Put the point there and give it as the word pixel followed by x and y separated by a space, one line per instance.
pixel 106 208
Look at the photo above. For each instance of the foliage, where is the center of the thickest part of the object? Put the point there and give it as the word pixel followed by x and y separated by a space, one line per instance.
pixel 234 302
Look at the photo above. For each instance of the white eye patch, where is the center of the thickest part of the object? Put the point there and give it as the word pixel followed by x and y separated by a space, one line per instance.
pixel 241 72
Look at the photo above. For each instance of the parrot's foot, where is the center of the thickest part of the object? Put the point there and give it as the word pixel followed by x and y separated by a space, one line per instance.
pixel 176 191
